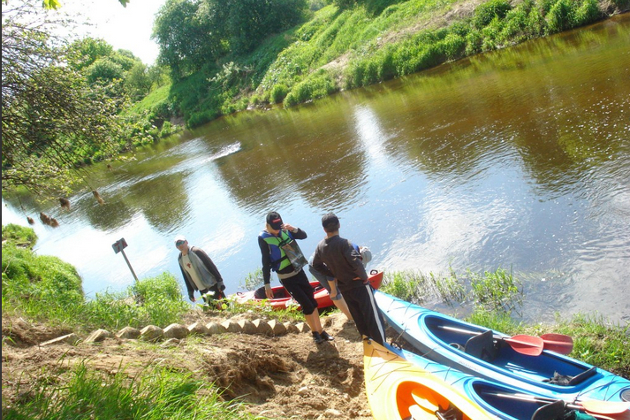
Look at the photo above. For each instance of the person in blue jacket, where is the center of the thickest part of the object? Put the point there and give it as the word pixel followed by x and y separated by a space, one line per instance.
pixel 281 254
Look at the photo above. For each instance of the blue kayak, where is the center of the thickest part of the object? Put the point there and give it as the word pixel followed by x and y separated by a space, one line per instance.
pixel 481 352
pixel 403 385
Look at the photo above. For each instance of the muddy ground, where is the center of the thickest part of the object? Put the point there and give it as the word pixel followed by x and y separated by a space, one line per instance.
pixel 281 377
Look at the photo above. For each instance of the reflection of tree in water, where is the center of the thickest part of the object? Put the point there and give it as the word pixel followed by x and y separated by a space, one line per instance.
pixel 304 152
pixel 162 200
pixel 112 215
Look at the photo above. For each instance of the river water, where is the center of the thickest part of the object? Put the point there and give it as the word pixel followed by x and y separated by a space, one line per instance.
pixel 518 159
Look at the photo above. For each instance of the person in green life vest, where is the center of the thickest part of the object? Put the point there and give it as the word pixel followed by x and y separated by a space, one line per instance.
pixel 281 253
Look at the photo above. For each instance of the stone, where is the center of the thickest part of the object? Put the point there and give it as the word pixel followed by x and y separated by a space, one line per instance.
pixel 291 328
pixel 262 327
pixel 198 328
pixel 176 331
pixel 98 336
pixel 303 327
pixel 277 327
pixel 71 339
pixel 128 332
pixel 151 333
pixel 215 328
pixel 246 326
pixel 231 326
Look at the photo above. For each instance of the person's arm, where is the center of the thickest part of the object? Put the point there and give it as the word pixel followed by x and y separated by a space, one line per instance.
pixel 320 266
pixel 207 261
pixel 354 259
pixel 296 232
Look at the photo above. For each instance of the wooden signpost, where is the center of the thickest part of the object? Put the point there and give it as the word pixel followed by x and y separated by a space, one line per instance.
pixel 119 246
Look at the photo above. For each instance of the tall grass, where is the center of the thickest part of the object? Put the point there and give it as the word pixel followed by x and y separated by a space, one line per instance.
pixel 156 393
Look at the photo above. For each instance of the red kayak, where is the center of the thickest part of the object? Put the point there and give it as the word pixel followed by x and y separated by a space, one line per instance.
pixel 282 299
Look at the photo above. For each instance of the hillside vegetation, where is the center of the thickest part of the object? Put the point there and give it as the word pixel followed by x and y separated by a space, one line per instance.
pixel 345 45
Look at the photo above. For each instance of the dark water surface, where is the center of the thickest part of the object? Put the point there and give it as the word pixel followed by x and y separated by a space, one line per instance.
pixel 517 159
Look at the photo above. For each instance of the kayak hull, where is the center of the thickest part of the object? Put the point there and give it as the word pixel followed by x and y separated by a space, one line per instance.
pixel 424 330
pixel 401 384
pixel 391 382
pixel 283 300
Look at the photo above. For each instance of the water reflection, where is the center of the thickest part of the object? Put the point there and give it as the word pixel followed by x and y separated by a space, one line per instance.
pixel 516 159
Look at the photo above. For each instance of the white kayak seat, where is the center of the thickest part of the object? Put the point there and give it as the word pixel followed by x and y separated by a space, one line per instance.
pixel 482 346
pixel 552 411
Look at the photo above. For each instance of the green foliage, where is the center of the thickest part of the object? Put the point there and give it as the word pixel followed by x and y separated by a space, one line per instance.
pixel 84 52
pixel 417 287
pixel 598 342
pixel 254 280
pixel 160 298
pixel 155 393
pixel 104 70
pixel 587 12
pixel 38 286
pixel 21 236
pixel 278 93
pixel 317 85
pixel 486 12
pixel 45 288
pixel 561 16
pixel 496 292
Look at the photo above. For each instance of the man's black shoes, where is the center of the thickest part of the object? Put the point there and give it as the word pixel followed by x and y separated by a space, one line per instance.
pixel 320 338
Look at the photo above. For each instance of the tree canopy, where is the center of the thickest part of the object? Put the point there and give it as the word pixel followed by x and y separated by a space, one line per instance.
pixel 52 118
pixel 193 33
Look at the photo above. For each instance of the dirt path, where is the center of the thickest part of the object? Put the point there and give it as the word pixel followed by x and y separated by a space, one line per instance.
pixel 280 377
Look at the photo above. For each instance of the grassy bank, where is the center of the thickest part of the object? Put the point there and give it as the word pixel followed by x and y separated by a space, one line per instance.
pixel 371 42
pixel 46 290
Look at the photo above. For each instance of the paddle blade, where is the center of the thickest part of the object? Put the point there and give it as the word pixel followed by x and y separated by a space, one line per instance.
pixel 606 407
pixel 559 343
pixel 526 344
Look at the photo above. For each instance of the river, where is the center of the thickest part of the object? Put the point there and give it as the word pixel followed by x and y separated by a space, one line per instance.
pixel 518 159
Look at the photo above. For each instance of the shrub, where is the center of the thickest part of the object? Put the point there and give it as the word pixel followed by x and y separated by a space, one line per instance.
pixel 588 12
pixel 278 93
pixel 561 16
pixel 486 12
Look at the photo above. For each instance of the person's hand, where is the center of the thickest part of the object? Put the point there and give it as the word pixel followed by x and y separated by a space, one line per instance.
pixel 192 299
pixel 289 227
pixel 268 291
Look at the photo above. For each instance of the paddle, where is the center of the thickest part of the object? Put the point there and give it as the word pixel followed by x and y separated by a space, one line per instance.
pixel 559 343
pixel 524 344
pixel 594 407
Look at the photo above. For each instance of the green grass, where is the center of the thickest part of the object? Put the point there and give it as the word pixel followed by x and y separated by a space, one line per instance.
pixel 156 393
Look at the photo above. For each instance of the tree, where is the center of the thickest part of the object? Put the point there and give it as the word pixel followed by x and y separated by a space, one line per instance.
pixel 52 119
pixel 185 36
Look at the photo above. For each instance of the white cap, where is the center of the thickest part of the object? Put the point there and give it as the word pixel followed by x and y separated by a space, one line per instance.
pixel 179 238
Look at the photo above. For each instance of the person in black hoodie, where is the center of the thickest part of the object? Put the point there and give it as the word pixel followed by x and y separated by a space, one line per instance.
pixel 337 257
